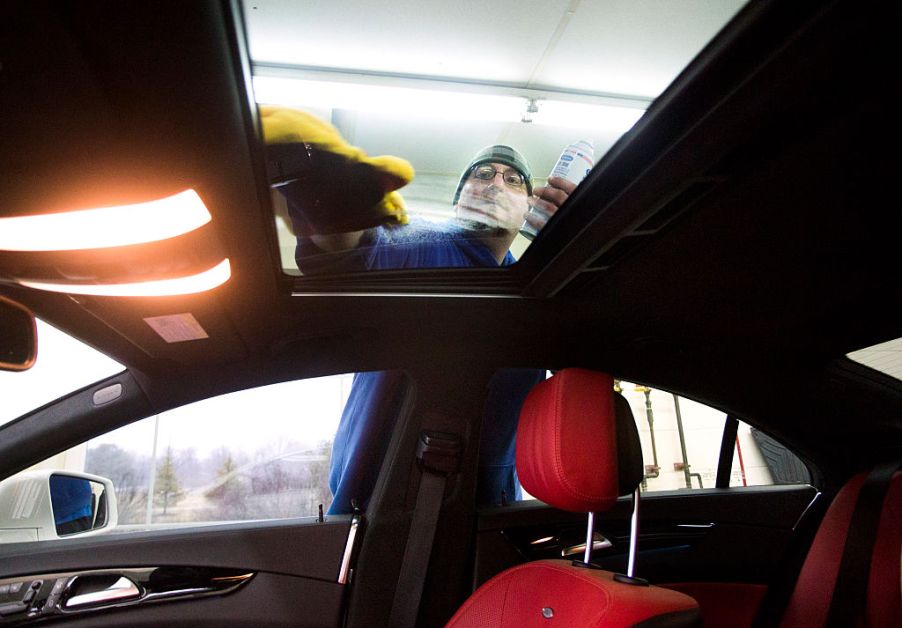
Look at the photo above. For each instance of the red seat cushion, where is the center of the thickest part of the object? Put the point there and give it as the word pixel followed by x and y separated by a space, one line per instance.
pixel 575 596
pixel 810 600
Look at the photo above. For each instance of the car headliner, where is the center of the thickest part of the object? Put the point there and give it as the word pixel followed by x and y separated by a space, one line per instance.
pixel 733 247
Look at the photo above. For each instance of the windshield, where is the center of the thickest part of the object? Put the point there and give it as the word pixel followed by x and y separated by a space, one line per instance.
pixel 435 126
pixel 64 365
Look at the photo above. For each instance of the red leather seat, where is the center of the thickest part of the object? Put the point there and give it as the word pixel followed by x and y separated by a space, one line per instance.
pixel 810 602
pixel 578 450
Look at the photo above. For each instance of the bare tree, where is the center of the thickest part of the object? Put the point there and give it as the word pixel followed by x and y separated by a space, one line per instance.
pixel 128 473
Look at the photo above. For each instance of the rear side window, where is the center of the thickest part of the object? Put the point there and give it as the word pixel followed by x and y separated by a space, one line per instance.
pixel 682 440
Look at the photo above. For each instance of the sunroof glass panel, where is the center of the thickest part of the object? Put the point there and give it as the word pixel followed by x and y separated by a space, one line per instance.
pixel 407 111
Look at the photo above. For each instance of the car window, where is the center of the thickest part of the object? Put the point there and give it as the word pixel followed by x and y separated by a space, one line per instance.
pixel 256 454
pixel 681 445
pixel 63 365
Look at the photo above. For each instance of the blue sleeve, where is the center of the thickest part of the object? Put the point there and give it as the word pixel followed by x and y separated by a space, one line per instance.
pixel 497 445
pixel 312 260
pixel 362 439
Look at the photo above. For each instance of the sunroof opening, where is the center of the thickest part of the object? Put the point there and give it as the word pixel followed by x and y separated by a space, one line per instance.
pixel 436 150
pixel 885 357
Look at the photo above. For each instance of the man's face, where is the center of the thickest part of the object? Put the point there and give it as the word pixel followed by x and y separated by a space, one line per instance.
pixel 494 195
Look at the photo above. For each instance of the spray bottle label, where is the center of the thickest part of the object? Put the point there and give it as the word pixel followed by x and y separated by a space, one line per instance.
pixel 574 164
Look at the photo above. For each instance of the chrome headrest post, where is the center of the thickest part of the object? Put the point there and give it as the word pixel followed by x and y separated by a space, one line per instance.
pixel 630 577
pixel 587 558
pixel 634 536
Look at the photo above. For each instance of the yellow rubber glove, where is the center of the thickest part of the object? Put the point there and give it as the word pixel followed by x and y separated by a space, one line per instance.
pixel 331 186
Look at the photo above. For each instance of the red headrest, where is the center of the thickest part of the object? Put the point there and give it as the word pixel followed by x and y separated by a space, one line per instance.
pixel 567 442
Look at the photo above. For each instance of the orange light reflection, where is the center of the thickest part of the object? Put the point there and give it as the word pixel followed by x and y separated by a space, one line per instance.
pixel 191 284
pixel 106 226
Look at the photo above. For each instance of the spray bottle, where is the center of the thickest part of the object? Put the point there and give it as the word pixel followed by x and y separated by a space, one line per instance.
pixel 574 164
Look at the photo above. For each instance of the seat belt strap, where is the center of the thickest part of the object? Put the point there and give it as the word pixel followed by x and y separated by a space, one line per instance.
pixel 850 592
pixel 438 456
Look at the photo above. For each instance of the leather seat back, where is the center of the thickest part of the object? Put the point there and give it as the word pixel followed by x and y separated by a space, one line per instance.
pixel 814 590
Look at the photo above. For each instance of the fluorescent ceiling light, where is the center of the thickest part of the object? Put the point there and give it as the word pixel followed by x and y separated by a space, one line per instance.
pixel 106 226
pixel 586 116
pixel 415 98
pixel 429 103
pixel 191 284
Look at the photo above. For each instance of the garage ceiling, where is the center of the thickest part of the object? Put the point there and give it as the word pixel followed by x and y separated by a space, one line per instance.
pixel 620 47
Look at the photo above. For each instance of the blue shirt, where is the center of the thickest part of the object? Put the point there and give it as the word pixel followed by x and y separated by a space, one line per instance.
pixel 420 244
pixel 375 399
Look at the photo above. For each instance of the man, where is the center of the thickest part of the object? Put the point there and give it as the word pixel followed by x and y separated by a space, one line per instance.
pixel 490 203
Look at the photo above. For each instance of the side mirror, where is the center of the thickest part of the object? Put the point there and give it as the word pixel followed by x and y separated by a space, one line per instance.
pixel 46 504
pixel 18 336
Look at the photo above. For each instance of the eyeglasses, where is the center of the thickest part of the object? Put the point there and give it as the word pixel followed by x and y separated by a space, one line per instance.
pixel 511 177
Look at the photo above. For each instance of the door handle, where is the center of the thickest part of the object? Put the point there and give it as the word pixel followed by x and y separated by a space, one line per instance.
pixel 90 590
pixel 86 591
pixel 598 543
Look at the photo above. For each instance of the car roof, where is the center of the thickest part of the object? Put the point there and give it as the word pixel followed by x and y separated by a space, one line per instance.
pixel 732 247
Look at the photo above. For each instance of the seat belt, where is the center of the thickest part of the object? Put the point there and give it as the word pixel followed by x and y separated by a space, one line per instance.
pixel 438 456
pixel 850 591
pixel 776 598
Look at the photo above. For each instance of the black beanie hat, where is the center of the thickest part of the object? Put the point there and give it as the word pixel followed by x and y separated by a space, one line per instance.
pixel 499 154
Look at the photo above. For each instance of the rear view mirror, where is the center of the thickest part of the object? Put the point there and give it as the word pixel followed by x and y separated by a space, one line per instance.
pixel 42 505
pixel 18 336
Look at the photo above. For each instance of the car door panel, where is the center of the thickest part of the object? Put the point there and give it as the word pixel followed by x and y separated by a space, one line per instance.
pixel 708 535
pixel 296 567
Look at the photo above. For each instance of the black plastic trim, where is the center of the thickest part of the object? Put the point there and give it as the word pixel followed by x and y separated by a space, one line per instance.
pixel 727 445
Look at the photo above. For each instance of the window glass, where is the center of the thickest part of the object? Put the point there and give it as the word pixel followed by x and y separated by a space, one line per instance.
pixel 680 438
pixel 64 365
pixel 256 454
pixel 685 438
pixel 885 357
pixel 549 77
pixel 783 466
pixel 681 441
